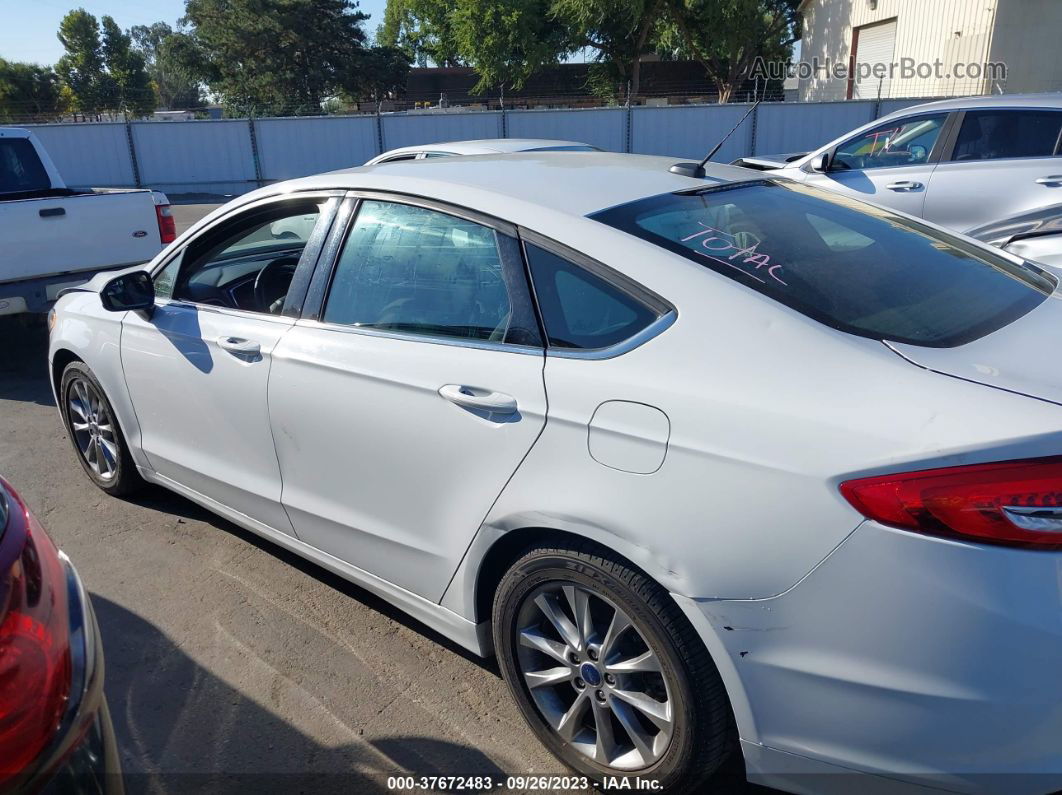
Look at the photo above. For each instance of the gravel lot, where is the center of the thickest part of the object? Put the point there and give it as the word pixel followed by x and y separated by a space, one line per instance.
pixel 234 664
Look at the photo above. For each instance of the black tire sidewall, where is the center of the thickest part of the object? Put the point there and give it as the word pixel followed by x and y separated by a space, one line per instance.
pixel 674 769
pixel 126 478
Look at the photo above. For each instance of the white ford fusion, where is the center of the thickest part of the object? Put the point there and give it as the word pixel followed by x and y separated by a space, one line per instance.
pixel 713 466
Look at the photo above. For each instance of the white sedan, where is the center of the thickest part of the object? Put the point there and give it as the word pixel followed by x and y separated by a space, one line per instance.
pixel 481 146
pixel 715 466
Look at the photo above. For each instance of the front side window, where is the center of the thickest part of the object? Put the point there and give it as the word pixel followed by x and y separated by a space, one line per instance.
pixel 412 270
pixel 852 266
pixel 246 262
pixel 996 134
pixel 21 170
pixel 580 310
pixel 904 142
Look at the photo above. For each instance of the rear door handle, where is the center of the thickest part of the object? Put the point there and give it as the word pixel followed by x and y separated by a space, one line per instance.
pixel 51 212
pixel 904 184
pixel 239 346
pixel 472 398
pixel 1052 180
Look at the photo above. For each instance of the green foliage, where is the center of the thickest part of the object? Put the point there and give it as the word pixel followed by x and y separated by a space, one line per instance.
pixel 424 29
pixel 129 79
pixel 379 73
pixel 727 36
pixel 618 30
pixel 28 93
pixel 102 74
pixel 173 64
pixel 81 68
pixel 506 41
pixel 269 57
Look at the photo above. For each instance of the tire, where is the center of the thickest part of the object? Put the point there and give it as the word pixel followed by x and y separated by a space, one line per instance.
pixel 690 731
pixel 98 440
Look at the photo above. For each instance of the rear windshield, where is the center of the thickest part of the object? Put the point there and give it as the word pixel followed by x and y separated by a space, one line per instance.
pixel 21 171
pixel 855 267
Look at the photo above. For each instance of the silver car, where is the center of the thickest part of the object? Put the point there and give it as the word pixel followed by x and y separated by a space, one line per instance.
pixel 961 163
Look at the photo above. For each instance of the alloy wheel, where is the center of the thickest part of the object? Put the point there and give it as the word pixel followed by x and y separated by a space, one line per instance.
pixel 93 428
pixel 593 677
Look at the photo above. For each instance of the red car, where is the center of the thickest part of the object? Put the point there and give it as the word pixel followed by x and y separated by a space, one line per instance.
pixel 55 730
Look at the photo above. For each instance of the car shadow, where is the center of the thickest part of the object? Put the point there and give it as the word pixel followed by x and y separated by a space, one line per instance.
pixel 160 499
pixel 24 360
pixel 181 729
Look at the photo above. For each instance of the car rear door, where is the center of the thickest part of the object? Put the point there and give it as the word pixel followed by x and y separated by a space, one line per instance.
pixel 890 164
pixel 410 391
pixel 1004 162
pixel 197 368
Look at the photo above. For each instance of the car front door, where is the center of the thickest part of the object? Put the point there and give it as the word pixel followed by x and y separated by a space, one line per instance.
pixel 1004 162
pixel 890 164
pixel 403 404
pixel 197 367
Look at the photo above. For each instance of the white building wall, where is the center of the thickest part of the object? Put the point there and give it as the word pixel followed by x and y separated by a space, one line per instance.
pixel 951 31
pixel 1026 39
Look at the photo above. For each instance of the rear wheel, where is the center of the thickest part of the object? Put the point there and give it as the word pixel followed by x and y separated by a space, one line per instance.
pixel 94 432
pixel 608 672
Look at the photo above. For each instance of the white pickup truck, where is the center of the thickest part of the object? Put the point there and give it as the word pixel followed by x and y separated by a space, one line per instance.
pixel 52 237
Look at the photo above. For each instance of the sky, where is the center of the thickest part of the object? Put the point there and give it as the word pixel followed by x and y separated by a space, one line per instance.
pixel 28 27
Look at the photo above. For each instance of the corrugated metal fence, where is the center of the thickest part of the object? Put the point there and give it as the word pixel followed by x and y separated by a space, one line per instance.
pixel 234 156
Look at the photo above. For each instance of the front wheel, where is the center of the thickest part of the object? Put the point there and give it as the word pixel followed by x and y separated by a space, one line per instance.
pixel 93 430
pixel 607 670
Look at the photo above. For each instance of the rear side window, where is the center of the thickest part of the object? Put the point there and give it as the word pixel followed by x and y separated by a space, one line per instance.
pixel 580 310
pixel 21 170
pixel 852 266
pixel 418 271
pixel 996 134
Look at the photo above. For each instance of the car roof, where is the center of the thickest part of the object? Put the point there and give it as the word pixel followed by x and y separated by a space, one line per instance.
pixel 576 183
pixel 1048 100
pixel 484 146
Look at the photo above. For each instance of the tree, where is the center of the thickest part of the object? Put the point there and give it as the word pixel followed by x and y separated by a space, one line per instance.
pixel 506 41
pixel 167 58
pixel 275 56
pixel 727 36
pixel 424 29
pixel 380 73
pixel 102 74
pixel 618 30
pixel 133 92
pixel 81 68
pixel 28 92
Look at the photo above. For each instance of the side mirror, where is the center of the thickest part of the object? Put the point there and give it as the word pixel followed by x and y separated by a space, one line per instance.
pixel 129 291
pixel 821 162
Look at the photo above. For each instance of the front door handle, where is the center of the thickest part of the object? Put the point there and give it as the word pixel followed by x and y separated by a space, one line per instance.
pixel 239 346
pixel 482 399
pixel 904 184
pixel 1052 180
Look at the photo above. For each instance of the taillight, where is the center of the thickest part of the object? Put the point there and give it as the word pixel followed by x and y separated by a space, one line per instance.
pixel 1016 503
pixel 167 225
pixel 35 664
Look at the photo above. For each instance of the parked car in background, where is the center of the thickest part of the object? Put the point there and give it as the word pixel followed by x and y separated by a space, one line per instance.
pixel 55 729
pixel 1036 235
pixel 961 163
pixel 52 236
pixel 484 146
pixel 710 464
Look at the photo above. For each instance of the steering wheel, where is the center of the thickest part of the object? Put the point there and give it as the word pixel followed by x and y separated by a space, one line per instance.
pixel 272 283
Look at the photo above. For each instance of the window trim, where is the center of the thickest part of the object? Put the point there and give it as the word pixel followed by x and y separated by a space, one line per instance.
pixel 328 262
pixel 666 313
pixel 960 117
pixel 307 265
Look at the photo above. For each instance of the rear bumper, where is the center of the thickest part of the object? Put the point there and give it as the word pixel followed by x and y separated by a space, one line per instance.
pixel 921 661
pixel 83 759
